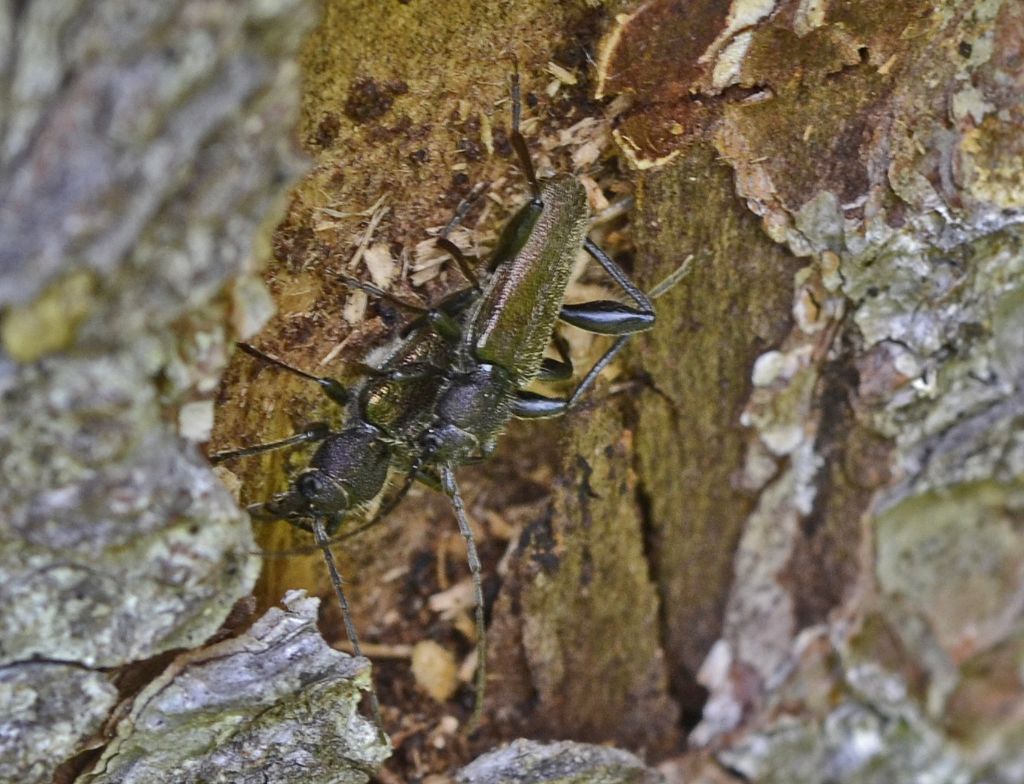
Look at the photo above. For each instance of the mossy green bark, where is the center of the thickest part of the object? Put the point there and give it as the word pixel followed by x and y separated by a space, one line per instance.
pixel 734 306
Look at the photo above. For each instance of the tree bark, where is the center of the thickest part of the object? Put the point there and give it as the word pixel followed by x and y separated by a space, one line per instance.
pixel 780 541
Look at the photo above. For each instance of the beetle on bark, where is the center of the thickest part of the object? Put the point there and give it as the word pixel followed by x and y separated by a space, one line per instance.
pixel 444 396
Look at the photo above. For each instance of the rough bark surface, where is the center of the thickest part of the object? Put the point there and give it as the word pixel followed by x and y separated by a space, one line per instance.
pixel 142 147
pixel 273 704
pixel 783 543
pixel 522 762
pixel 877 562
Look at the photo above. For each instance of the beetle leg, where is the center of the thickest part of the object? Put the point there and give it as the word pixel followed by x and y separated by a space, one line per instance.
pixel 451 489
pixel 412 371
pixel 429 478
pixel 461 259
pixel 261 513
pixel 317 431
pixel 603 317
pixel 464 207
pixel 595 371
pixel 443 323
pixel 378 293
pixel 619 276
pixel 530 405
pixel 323 542
pixel 606 317
pixel 454 250
pixel 557 369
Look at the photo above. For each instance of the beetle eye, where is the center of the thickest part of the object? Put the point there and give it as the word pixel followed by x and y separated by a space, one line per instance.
pixel 309 485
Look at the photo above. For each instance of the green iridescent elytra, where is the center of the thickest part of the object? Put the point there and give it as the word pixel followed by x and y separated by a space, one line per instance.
pixel 512 322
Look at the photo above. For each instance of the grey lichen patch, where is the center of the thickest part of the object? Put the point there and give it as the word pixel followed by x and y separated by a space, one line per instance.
pixel 110 135
pixel 529 762
pixel 842 716
pixel 926 253
pixel 855 743
pixel 143 147
pixel 957 417
pixel 118 541
pixel 911 264
pixel 953 556
pixel 275 704
pixel 781 413
pixel 49 709
pixel 759 617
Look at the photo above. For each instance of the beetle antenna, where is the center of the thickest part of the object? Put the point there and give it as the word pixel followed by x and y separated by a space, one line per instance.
pixel 456 253
pixel 451 489
pixel 444 242
pixel 379 293
pixel 672 278
pixel 465 205
pixel 317 431
pixel 334 390
pixel 323 542
pixel 518 142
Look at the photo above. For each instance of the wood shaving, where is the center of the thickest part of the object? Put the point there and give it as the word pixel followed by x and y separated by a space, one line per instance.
pixel 331 355
pixel 355 307
pixel 598 201
pixel 449 603
pixel 467 670
pixel 375 650
pixel 465 626
pixel 562 74
pixel 487 134
pixel 341 216
pixel 433 667
pixel 428 257
pixel 380 264
pixel 377 214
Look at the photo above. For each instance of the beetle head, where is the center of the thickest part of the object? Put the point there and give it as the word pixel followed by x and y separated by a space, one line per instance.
pixel 348 469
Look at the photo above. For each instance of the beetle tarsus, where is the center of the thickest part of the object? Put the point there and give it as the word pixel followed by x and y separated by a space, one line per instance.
pixel 451 489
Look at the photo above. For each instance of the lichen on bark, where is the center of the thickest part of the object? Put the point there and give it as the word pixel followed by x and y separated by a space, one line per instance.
pixel 143 148
pixel 787 536
pixel 273 704
pixel 885 421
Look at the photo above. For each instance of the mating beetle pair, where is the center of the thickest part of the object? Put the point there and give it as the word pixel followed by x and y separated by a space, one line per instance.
pixel 442 398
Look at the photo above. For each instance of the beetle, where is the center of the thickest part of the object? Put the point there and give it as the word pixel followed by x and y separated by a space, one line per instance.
pixel 445 395
pixel 506 331
pixel 350 468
